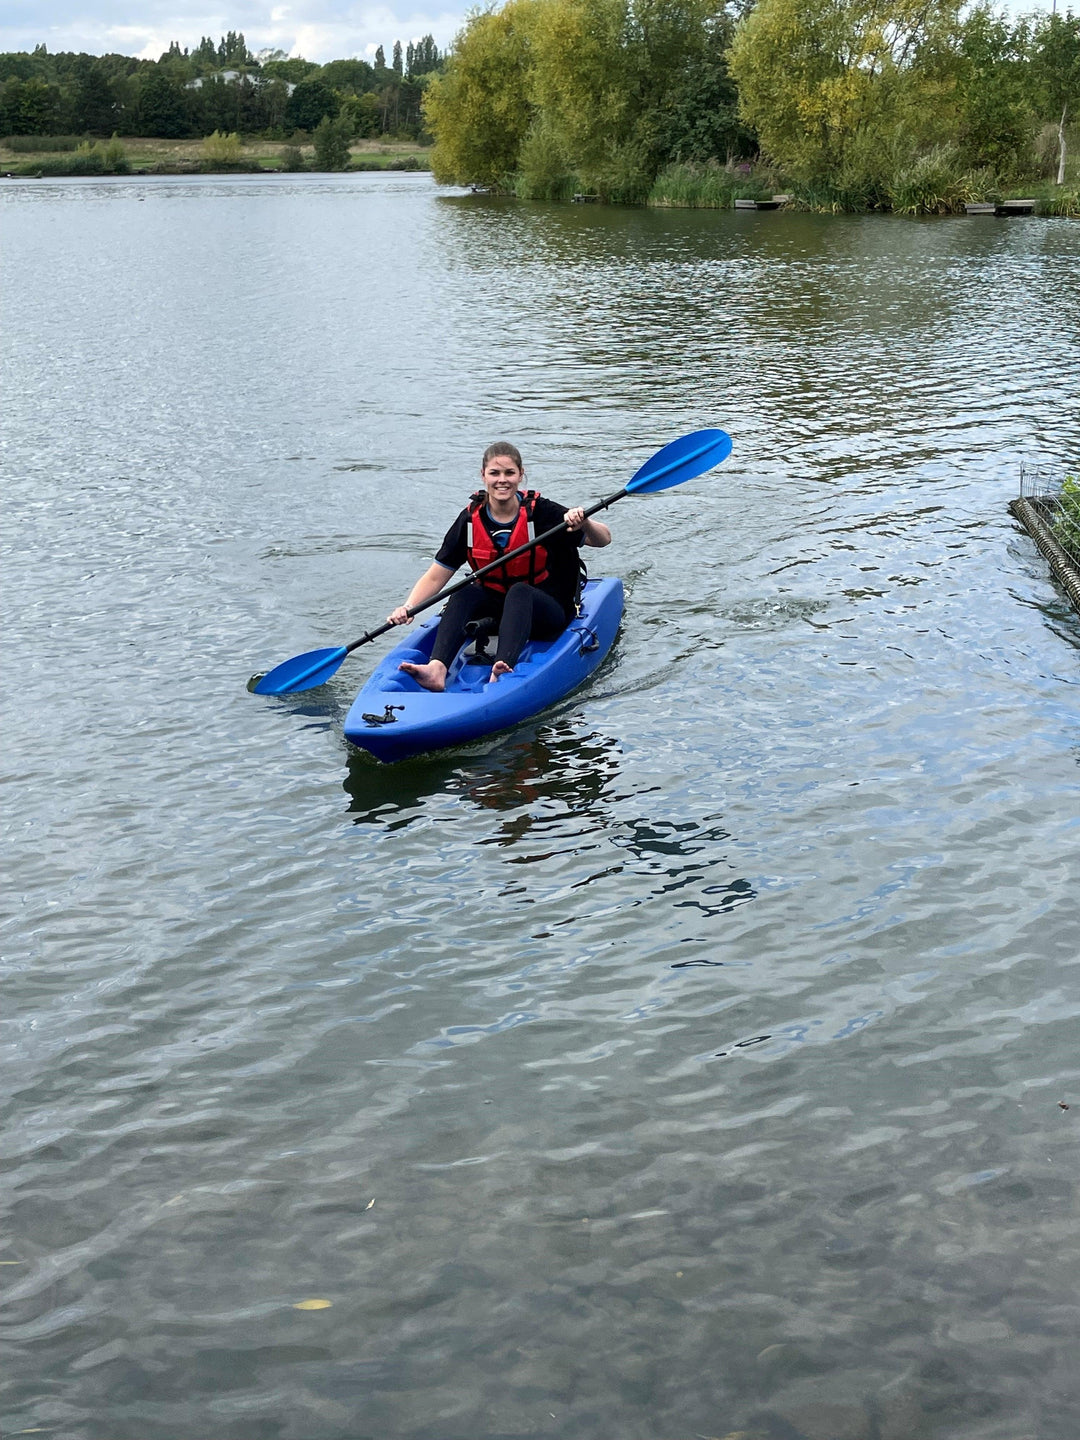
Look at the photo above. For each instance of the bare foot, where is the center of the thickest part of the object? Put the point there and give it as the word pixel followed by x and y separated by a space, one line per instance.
pixel 499 668
pixel 431 676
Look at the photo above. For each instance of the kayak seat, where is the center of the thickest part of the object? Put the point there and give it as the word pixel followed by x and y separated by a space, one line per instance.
pixel 479 632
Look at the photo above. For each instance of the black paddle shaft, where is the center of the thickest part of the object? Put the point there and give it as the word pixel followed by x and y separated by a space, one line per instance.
pixel 484 570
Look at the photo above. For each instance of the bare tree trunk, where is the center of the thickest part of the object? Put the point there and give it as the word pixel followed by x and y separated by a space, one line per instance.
pixel 1061 148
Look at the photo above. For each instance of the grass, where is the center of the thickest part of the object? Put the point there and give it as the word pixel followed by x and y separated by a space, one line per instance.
pixel 185 157
pixel 705 187
pixel 1067 522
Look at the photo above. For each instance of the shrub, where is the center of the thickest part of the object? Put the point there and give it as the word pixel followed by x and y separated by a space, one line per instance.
pixel 704 187
pixel 115 157
pixel 291 158
pixel 932 184
pixel 1065 202
pixel 84 162
pixel 39 144
pixel 331 144
pixel 222 149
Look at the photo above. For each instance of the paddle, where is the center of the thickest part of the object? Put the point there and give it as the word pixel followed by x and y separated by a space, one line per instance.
pixel 683 459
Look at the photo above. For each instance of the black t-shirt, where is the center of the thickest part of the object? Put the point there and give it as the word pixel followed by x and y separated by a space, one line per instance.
pixel 562 549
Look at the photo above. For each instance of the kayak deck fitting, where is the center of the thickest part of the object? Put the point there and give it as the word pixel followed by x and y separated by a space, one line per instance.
pixel 393 717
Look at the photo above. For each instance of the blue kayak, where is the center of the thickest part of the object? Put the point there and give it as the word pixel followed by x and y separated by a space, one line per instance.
pixel 393 717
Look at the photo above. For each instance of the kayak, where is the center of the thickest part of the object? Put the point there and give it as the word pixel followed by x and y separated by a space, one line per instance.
pixel 393 717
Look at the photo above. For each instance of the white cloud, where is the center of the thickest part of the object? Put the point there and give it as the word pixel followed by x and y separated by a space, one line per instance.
pixel 319 30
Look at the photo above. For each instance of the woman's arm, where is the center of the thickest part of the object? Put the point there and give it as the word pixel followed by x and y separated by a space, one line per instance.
pixel 596 534
pixel 426 588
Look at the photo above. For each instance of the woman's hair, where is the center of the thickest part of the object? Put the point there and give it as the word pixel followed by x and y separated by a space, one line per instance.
pixel 502 448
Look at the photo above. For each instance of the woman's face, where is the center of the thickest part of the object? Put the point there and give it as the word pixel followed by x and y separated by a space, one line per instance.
pixel 501 477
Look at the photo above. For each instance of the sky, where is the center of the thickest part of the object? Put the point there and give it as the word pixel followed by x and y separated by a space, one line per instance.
pixel 319 30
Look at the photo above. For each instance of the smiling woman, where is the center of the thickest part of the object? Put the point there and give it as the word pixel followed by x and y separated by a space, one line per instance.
pixel 531 597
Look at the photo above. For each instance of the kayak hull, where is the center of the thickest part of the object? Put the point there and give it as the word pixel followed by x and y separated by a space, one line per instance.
pixel 470 707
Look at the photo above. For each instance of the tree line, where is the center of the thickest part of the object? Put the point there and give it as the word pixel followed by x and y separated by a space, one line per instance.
pixel 214 87
pixel 850 101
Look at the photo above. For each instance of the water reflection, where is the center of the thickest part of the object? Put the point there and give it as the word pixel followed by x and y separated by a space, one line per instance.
pixel 549 767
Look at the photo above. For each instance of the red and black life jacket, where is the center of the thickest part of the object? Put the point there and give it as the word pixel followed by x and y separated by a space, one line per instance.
pixel 530 567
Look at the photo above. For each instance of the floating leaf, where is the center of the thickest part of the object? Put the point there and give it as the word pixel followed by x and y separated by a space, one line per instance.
pixel 313 1305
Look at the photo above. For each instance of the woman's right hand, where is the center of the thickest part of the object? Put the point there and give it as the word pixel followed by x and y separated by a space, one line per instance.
pixel 400 616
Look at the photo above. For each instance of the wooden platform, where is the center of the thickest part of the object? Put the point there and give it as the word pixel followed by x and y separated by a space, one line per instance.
pixel 773 204
pixel 1002 207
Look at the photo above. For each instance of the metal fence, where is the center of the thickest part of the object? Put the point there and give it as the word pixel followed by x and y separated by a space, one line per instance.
pixel 1048 507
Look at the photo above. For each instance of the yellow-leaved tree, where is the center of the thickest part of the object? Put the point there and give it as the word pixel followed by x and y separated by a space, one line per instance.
pixel 840 90
pixel 479 110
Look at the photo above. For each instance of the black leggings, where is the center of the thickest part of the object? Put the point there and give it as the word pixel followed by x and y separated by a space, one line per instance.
pixel 524 613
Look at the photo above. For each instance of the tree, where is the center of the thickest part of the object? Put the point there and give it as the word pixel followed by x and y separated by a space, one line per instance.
pixel 362 114
pixel 422 58
pixel 380 59
pixel 995 118
pixel 290 70
pixel 29 107
pixel 827 83
pixel 95 107
pixel 348 76
pixel 397 67
pixel 331 144
pixel 477 109
pixel 1054 74
pixel 603 73
pixel 162 106
pixel 308 103
pixel 701 121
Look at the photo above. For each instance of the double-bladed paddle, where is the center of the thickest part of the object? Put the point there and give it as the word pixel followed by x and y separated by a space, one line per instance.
pixel 683 459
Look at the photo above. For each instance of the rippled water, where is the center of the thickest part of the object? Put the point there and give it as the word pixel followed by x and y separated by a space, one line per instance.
pixel 687 1062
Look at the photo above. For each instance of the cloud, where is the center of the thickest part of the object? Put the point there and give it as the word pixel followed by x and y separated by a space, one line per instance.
pixel 319 30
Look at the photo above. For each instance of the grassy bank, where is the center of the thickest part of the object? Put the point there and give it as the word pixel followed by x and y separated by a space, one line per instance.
pixel 935 183
pixel 141 156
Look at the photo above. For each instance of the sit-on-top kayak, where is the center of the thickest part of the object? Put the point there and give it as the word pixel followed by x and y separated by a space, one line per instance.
pixel 394 717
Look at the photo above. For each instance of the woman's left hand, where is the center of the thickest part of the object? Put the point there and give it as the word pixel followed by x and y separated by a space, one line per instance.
pixel 575 519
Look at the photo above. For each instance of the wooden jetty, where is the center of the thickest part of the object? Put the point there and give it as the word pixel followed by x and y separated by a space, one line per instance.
pixel 1002 207
pixel 773 204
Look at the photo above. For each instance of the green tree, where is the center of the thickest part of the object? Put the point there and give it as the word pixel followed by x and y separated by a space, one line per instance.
pixel 702 120
pixel 477 109
pixel 362 115
pixel 996 126
pixel 331 140
pixel 291 70
pixel 162 105
pixel 95 105
pixel 309 102
pixel 29 107
pixel 827 84
pixel 422 58
pixel 602 77
pixel 350 77
pixel 1053 74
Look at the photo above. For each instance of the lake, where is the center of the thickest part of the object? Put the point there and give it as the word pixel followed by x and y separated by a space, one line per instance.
pixel 692 1060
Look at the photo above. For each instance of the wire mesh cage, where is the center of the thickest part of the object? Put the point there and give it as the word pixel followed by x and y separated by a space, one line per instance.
pixel 1048 507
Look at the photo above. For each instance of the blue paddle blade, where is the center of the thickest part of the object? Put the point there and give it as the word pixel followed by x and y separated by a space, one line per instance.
pixel 684 458
pixel 302 672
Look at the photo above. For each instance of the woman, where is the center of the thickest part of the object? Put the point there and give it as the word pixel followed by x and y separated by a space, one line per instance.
pixel 532 597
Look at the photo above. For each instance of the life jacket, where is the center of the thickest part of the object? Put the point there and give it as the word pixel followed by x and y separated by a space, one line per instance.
pixel 482 550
